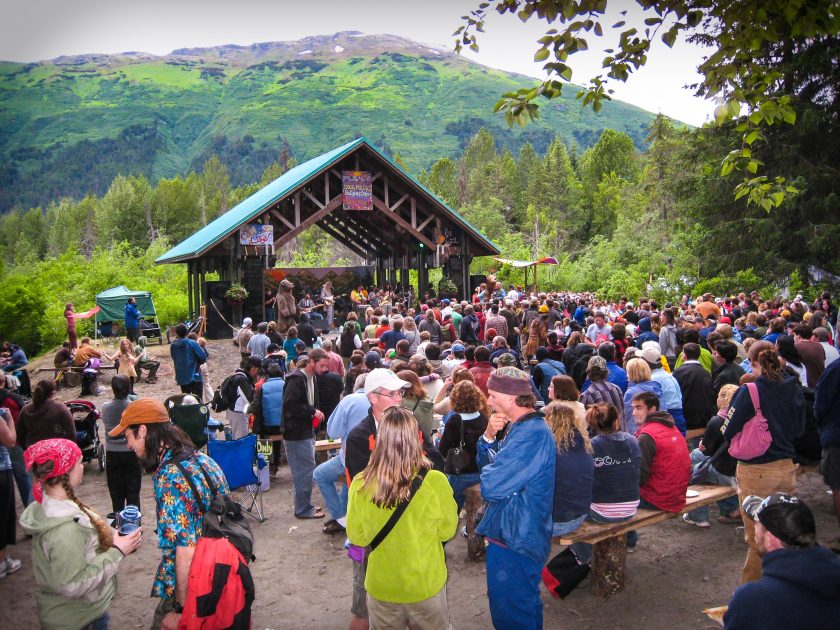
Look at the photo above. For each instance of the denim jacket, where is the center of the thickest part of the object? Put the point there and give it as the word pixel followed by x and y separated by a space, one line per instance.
pixel 517 481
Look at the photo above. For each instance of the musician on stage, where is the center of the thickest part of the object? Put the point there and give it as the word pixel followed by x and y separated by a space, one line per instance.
pixel 358 296
pixel 329 303
pixel 306 304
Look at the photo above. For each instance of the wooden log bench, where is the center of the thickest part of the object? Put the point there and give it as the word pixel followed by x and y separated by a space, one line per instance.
pixel 609 550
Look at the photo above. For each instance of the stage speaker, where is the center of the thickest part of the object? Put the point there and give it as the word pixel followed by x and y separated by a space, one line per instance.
pixel 218 310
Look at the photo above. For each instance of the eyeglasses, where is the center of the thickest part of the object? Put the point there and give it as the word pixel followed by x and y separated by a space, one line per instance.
pixel 397 393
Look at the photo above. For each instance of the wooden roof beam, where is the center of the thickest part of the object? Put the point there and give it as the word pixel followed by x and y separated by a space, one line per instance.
pixel 379 205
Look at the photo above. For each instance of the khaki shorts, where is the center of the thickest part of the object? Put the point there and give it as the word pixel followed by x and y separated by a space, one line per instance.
pixel 428 614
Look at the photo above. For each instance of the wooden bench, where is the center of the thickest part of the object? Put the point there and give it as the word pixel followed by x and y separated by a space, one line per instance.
pixel 609 550
pixel 690 434
pixel 320 445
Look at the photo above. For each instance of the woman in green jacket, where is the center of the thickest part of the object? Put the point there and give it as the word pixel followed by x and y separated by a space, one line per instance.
pixel 75 554
pixel 406 574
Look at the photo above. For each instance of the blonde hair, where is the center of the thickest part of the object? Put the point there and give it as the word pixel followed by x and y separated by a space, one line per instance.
pixel 563 423
pixel 725 395
pixel 396 458
pixel 638 370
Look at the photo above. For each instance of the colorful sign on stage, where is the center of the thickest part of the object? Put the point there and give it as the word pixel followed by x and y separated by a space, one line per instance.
pixel 256 234
pixel 357 189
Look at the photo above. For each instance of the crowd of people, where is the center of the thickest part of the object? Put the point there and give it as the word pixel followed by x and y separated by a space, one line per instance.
pixel 560 407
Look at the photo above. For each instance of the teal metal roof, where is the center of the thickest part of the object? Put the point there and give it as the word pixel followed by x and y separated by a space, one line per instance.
pixel 255 205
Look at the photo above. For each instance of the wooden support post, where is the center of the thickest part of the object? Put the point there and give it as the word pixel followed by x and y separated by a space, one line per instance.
pixel 609 566
pixel 190 310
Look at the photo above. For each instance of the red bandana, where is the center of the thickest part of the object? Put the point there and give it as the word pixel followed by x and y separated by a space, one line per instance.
pixel 63 453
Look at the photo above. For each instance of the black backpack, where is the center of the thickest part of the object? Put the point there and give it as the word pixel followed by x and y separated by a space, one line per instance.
pixel 224 519
pixel 221 397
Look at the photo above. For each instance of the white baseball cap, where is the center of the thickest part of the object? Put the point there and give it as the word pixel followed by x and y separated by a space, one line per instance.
pixel 382 378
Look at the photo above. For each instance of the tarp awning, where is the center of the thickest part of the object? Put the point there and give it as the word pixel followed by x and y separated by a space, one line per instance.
pixel 111 303
pixel 527 263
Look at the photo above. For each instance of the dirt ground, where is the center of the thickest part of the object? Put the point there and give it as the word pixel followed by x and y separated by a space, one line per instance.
pixel 304 579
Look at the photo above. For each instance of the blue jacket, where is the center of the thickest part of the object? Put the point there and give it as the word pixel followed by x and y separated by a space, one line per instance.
pixel 517 481
pixel 617 376
pixel 798 589
pixel 827 405
pixel 272 402
pixel 132 316
pixel 546 369
pixel 635 389
pixel 352 409
pixel 187 356
pixel 782 403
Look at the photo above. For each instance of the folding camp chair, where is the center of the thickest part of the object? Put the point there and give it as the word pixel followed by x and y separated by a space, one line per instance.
pixel 237 458
pixel 192 419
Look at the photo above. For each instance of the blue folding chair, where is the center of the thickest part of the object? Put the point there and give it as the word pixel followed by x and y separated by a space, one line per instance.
pixel 237 459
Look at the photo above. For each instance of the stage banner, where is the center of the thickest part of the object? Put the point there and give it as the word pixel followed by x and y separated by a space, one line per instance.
pixel 357 189
pixel 256 234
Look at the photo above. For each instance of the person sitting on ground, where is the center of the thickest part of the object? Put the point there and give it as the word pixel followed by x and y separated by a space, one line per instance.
pixel 44 417
pixel 726 370
pixel 600 390
pixel 469 418
pixel 639 380
pixel 721 470
pixel 144 362
pixel 665 468
pixel 75 554
pixel 800 581
pixel 617 459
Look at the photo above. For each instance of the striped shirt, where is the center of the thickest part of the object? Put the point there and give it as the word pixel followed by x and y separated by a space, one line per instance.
pixel 603 392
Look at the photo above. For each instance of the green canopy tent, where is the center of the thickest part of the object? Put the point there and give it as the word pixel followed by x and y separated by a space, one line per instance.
pixel 111 303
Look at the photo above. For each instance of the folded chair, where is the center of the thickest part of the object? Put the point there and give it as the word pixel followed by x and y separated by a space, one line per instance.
pixel 237 459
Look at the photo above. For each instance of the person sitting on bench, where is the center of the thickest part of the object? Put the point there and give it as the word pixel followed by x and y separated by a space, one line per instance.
pixel 144 362
pixel 665 467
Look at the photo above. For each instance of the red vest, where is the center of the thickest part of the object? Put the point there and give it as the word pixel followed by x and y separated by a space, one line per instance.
pixel 670 469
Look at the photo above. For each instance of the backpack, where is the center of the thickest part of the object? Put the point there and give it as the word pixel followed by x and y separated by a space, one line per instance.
pixel 220 589
pixel 221 396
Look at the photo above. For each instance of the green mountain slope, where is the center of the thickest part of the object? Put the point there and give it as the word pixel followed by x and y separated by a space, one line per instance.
pixel 68 126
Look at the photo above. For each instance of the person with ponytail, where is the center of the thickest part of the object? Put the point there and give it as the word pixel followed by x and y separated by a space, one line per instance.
pixel 783 405
pixel 75 554
pixel 44 417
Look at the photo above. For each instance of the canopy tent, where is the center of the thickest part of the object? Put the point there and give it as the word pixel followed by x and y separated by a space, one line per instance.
pixel 111 303
pixel 527 264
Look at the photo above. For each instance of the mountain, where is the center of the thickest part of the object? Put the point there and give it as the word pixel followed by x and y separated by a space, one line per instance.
pixel 69 125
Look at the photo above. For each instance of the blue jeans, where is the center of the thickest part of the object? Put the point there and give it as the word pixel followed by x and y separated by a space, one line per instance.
pixel 583 551
pixel 726 506
pixel 633 535
pixel 100 623
pixel 460 483
pixel 301 457
pixel 513 588
pixel 326 475
pixel 561 529
pixel 22 478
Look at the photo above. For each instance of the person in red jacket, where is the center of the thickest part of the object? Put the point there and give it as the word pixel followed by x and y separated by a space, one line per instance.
pixel 666 465
pixel 482 369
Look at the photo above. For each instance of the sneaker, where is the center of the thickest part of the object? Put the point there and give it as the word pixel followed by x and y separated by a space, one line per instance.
pixel 9 565
pixel 691 521
pixel 333 527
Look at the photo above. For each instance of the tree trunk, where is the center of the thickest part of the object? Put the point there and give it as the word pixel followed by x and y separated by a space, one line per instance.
pixel 609 566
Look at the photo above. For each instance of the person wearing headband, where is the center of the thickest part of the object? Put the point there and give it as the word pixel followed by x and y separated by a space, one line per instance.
pixel 75 554
pixel 800 582
pixel 517 481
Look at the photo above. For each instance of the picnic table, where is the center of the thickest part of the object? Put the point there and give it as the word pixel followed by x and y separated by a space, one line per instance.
pixel 609 540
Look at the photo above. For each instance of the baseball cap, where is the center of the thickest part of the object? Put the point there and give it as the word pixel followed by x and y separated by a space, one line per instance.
pixel 141 411
pixel 784 516
pixel 651 352
pixel 373 360
pixel 458 347
pixel 380 378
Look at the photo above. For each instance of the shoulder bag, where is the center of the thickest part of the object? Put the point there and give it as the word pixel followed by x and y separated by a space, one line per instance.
pixel 754 439
pixel 457 459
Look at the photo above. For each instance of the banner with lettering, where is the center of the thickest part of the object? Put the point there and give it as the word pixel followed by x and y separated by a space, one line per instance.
pixel 357 189
pixel 256 234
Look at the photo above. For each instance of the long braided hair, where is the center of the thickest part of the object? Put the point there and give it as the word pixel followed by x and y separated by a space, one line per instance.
pixel 104 533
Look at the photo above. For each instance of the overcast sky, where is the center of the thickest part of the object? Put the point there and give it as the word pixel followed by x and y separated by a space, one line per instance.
pixel 33 30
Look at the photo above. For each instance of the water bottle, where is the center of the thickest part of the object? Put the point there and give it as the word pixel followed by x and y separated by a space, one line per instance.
pixel 128 519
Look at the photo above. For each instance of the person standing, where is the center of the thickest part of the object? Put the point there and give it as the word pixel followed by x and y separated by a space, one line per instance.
pixel 300 416
pixel 517 481
pixel 44 417
pixel 188 357
pixel 240 393
pixel 267 409
pixel 258 344
pixel 123 471
pixel 70 317
pixel 8 520
pixel 75 554
pixel 185 482
pixel 399 474
pixel 329 303
pixel 132 320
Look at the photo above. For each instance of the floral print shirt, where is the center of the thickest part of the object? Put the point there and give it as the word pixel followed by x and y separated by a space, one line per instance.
pixel 179 515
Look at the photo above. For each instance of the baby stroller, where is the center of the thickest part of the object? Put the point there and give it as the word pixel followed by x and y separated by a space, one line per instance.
pixel 90 387
pixel 86 417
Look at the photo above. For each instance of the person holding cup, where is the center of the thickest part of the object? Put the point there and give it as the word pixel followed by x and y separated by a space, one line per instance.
pixel 75 554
